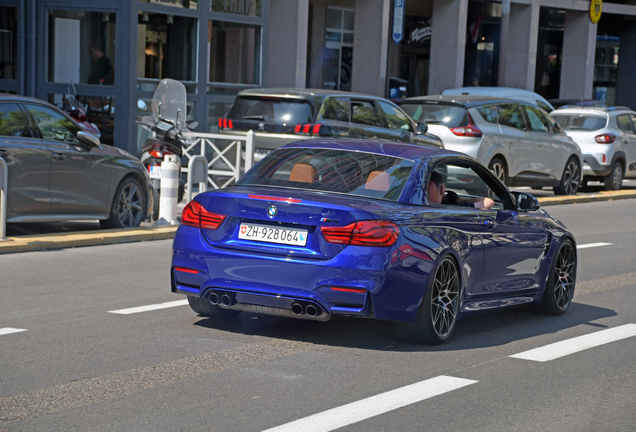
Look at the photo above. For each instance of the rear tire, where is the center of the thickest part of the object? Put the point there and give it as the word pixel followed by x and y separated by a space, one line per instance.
pixel 570 179
pixel 128 205
pixel 204 308
pixel 499 168
pixel 559 288
pixel 614 180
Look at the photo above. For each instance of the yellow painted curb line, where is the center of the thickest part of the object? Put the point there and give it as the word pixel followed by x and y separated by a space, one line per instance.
pixel 598 196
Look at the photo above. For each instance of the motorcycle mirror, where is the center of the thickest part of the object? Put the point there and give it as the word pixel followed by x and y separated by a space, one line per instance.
pixel 88 138
pixel 142 105
pixel 193 125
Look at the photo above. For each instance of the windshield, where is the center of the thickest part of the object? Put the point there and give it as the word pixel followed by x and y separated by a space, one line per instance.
pixel 353 173
pixel 448 115
pixel 584 122
pixel 169 102
pixel 271 110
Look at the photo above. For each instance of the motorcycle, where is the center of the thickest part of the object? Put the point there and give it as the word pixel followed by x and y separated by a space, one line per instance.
pixel 76 110
pixel 168 125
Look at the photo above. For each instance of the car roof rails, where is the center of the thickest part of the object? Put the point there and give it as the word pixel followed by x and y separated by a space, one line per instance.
pixel 616 108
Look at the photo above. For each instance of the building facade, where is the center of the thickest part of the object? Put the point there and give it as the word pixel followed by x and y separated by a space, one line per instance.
pixel 107 54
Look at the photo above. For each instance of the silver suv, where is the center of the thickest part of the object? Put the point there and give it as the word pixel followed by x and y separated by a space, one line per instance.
pixel 607 137
pixel 516 140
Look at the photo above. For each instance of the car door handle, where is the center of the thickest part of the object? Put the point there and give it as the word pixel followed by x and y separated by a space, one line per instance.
pixel 489 223
pixel 58 156
pixel 510 141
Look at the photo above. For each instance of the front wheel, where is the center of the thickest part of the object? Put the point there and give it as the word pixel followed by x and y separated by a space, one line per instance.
pixel 570 179
pixel 614 180
pixel 559 288
pixel 128 205
pixel 437 316
pixel 498 167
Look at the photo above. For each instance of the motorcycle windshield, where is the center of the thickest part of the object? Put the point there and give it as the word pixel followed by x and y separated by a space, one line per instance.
pixel 169 102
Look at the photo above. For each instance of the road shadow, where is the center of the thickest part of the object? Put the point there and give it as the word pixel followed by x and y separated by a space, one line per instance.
pixel 478 330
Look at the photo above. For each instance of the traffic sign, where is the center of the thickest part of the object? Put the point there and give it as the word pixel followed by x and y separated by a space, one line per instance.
pixel 596 7
pixel 398 20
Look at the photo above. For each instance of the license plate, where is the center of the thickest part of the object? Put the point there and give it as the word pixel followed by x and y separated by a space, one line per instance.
pixel 154 171
pixel 263 233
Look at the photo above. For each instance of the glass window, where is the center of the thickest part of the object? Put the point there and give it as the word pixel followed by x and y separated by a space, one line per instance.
pixel 538 120
pixel 81 47
pixel 448 115
pixel 13 122
pixel 511 115
pixel 580 121
pixel 53 125
pixel 166 47
pixel 395 117
pixel 624 123
pixel 364 112
pixel 234 53
pixel 463 186
pixel 241 7
pixel 272 110
pixel 633 117
pixel 336 108
pixel 544 106
pixel 187 4
pixel 8 42
pixel 489 113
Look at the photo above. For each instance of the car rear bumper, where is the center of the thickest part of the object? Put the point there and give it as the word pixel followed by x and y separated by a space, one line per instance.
pixel 592 167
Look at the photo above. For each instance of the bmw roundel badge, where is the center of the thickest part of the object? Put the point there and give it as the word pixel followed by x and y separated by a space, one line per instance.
pixel 272 211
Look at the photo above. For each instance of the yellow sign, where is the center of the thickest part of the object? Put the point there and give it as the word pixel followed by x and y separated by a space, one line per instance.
pixel 596 7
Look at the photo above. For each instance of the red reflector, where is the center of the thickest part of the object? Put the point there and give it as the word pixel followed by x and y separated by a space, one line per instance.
pixel 297 128
pixel 156 153
pixel 605 138
pixel 316 129
pixel 195 215
pixel 186 270
pixel 604 159
pixel 306 128
pixel 273 198
pixel 375 233
pixel 353 290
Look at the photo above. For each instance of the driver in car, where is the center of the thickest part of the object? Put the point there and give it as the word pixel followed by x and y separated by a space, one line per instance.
pixel 437 194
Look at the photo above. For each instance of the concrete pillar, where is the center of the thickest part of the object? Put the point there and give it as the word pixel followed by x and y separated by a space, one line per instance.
pixel 317 50
pixel 579 50
pixel 625 88
pixel 370 38
pixel 287 43
pixel 522 45
pixel 448 45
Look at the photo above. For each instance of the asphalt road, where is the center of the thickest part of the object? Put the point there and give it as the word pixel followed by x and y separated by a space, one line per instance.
pixel 80 364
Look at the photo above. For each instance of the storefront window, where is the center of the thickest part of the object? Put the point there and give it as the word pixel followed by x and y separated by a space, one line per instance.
pixel 166 47
pixel 94 114
pixel 234 53
pixel 338 54
pixel 242 7
pixel 481 61
pixel 8 42
pixel 188 4
pixel 81 47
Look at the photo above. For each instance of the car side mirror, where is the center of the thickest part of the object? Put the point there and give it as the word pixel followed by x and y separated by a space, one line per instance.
pixel 88 138
pixel 192 125
pixel 142 105
pixel 526 202
pixel 421 128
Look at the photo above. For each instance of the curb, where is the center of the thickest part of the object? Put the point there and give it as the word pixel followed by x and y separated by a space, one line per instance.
pixel 597 196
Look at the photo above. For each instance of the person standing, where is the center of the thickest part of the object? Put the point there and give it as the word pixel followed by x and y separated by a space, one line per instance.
pixel 103 71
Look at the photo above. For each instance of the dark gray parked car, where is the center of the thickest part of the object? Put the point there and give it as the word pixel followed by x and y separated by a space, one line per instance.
pixel 57 172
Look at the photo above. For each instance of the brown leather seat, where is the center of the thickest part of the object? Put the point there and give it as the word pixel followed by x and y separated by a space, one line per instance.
pixel 379 181
pixel 303 173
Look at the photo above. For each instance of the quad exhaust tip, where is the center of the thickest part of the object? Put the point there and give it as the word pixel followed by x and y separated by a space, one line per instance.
pixel 297 308
pixel 214 298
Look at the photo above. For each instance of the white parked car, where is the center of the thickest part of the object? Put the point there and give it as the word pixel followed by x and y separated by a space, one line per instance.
pixel 504 92
pixel 518 141
pixel 607 137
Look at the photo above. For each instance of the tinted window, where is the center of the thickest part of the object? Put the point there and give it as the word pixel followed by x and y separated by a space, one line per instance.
pixel 448 115
pixel 53 125
pixel 538 120
pixel 336 108
pixel 395 117
pixel 544 106
pixel 585 122
pixel 489 113
pixel 13 122
pixel 272 110
pixel 353 173
pixel 467 184
pixel 511 115
pixel 624 123
pixel 633 117
pixel 364 112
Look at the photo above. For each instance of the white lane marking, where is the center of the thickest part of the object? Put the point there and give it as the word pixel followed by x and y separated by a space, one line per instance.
pixel 375 405
pixel 591 245
pixel 150 307
pixel 9 330
pixel 580 343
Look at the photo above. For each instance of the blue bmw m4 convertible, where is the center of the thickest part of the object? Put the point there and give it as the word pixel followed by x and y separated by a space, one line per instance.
pixel 401 232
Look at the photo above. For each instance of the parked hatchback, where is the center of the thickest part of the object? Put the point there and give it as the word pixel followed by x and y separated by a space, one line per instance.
pixel 279 116
pixel 607 137
pixel 516 140
pixel 58 172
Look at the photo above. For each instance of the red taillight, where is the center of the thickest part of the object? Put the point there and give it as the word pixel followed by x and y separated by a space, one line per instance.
pixel 159 154
pixel 186 270
pixel 298 128
pixel 195 215
pixel 376 233
pixel 352 290
pixel 468 131
pixel 225 123
pixel 605 138
pixel 306 128
pixel 220 123
pixel 316 129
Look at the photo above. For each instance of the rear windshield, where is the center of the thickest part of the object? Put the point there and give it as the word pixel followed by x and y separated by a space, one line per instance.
pixel 448 115
pixel 272 110
pixel 583 122
pixel 353 173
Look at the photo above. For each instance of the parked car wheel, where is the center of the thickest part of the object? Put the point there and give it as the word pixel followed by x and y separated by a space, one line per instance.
pixel 204 308
pixel 498 166
pixel 614 180
pixel 559 289
pixel 128 205
pixel 570 179
pixel 437 316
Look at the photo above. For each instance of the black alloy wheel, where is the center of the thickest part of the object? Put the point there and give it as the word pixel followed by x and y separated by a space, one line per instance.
pixel 570 180
pixel 559 290
pixel 128 205
pixel 614 180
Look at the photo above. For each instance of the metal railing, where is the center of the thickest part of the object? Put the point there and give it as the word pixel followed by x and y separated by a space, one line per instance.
pixel 228 156
pixel 4 177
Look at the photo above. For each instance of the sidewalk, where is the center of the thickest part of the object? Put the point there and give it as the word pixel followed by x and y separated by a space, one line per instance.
pixel 148 232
